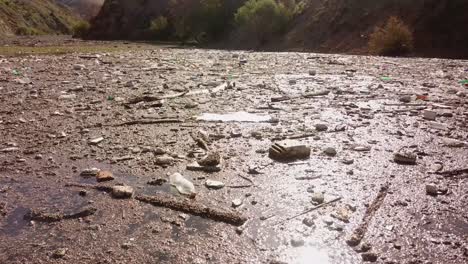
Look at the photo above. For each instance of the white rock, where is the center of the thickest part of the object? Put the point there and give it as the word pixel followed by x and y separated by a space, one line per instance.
pixel 214 184
pixel 122 192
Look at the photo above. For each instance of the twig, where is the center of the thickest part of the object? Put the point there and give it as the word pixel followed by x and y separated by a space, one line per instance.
pixel 149 122
pixel 310 210
pixel 453 172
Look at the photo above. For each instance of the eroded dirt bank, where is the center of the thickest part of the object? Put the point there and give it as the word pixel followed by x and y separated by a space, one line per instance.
pixel 134 114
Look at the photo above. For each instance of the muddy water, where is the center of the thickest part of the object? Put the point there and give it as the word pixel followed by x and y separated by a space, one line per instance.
pixel 362 109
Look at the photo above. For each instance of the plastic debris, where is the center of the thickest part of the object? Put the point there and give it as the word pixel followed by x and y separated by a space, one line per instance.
pixel 182 185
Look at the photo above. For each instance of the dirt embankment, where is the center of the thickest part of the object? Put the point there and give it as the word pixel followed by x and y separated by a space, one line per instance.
pixel 34 17
pixel 325 26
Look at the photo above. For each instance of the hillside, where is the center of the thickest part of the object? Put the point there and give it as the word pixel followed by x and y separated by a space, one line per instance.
pixel 26 17
pixel 324 25
pixel 87 9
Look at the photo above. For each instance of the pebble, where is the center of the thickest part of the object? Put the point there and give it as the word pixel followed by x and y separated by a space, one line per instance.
pixel 122 192
pixel 214 184
pixel 104 176
pixel 321 127
pixel 164 160
pixel 369 257
pixel 430 115
pixel 405 157
pixel 431 190
pixel 318 197
pixel 60 253
pixel 308 221
pixel 330 152
pixel 348 161
pixel 96 141
pixel 297 242
pixel 236 203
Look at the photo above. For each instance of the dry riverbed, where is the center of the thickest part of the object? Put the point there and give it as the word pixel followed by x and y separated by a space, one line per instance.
pixel 91 141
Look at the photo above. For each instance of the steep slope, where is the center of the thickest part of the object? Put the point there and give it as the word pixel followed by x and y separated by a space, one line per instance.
pixel 439 26
pixel 325 25
pixel 27 17
pixel 87 9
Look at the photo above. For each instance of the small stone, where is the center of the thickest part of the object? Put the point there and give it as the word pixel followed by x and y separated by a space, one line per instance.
pixel 353 240
pixel 60 253
pixel 308 222
pixel 104 176
pixel 321 127
pixel 312 72
pixel 318 197
pixel 362 148
pixel 297 242
pixel 96 141
pixel 431 190
pixel 430 115
pixel 348 161
pixel 91 172
pixel 214 184
pixel 122 192
pixel 79 67
pixel 289 150
pixel 369 257
pixel 328 221
pixel 126 245
pixel 164 160
pixel 330 151
pixel 405 99
pixel 236 203
pixel 405 157
pixel 212 159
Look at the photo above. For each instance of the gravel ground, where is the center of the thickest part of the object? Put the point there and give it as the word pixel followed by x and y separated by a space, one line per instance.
pixel 142 116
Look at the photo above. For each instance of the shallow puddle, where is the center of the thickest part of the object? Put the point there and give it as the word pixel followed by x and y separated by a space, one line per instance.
pixel 234 117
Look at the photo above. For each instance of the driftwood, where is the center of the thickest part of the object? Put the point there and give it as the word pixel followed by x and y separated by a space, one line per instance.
pixel 309 95
pixel 149 122
pixel 186 206
pixel 145 98
pixel 455 172
pixel 174 203
pixel 41 216
pixel 360 231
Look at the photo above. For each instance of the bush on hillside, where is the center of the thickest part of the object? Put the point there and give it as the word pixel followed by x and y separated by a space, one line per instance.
pixel 394 39
pixel 80 29
pixel 26 31
pixel 159 25
pixel 263 18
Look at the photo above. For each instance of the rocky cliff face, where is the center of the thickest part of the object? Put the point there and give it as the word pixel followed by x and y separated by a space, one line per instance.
pixel 325 25
pixel 87 9
pixel 126 19
pixel 26 17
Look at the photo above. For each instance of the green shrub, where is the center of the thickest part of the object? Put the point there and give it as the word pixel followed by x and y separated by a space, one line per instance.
pixel 159 25
pixel 26 31
pixel 263 18
pixel 80 29
pixel 394 39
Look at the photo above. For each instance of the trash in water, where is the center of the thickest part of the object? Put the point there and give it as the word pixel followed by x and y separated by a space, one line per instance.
pixel 235 117
pixel 182 185
pixel 288 150
pixel 385 78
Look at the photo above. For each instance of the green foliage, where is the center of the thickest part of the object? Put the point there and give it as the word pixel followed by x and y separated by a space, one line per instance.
pixel 394 39
pixel 263 18
pixel 26 31
pixel 199 19
pixel 80 29
pixel 159 25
